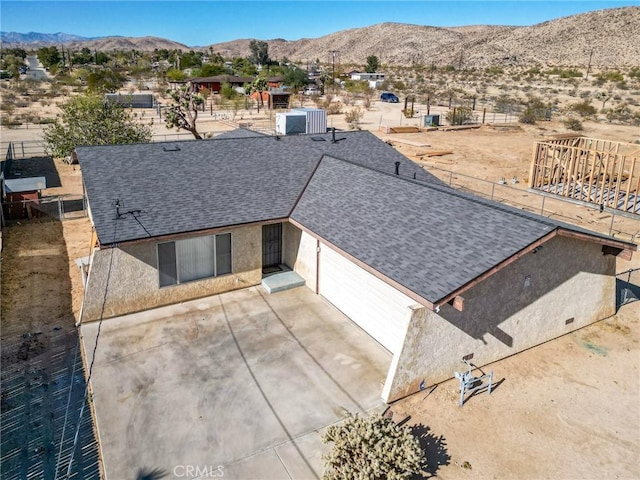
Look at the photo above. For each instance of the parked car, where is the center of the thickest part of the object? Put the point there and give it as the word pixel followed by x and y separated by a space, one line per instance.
pixel 311 90
pixel 389 97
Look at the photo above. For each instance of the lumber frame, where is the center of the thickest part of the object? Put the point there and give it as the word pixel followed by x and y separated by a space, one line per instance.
pixel 598 171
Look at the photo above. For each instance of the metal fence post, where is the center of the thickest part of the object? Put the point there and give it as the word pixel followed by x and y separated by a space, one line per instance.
pixel 613 217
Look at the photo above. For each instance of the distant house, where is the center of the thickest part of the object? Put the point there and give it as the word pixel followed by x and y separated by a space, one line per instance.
pixel 433 274
pixel 273 98
pixel 214 84
pixel 368 76
pixel 374 80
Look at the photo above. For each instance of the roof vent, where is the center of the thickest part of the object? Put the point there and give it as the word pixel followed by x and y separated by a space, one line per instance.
pixel 318 139
pixel 397 168
pixel 171 148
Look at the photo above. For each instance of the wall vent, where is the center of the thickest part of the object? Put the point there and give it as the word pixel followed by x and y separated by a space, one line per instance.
pixel 568 321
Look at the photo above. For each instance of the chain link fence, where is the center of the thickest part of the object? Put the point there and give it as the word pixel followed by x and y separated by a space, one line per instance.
pixel 616 224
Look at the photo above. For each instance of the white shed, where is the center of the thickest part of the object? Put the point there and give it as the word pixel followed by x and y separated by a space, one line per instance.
pixel 316 119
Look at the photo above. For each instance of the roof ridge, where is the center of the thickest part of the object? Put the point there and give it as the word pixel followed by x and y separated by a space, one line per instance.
pixel 463 195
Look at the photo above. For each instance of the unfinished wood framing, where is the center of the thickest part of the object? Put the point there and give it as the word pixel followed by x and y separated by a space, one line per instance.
pixel 603 172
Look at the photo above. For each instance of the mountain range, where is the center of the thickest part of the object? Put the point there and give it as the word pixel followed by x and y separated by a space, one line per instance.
pixel 607 38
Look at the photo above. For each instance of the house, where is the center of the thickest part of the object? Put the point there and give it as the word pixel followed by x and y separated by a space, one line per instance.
pixel 433 274
pixel 273 98
pixel 214 84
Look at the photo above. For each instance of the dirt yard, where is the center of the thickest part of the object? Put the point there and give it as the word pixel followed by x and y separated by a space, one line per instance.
pixel 566 409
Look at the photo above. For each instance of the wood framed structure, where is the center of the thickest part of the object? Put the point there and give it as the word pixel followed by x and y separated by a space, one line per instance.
pixel 602 172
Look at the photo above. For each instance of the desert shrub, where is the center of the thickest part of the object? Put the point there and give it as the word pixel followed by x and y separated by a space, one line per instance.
pixel 353 117
pixel 528 116
pixel 332 108
pixel 372 447
pixel 584 109
pixel 459 116
pixel 573 124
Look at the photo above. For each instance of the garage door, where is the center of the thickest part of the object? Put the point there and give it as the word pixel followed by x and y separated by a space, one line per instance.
pixel 378 308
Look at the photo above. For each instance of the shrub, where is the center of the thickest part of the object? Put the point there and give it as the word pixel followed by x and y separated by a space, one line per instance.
pixel 353 117
pixel 584 109
pixel 573 124
pixel 528 116
pixel 371 447
pixel 459 116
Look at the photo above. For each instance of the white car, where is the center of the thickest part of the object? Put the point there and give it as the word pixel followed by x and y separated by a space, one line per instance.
pixel 311 91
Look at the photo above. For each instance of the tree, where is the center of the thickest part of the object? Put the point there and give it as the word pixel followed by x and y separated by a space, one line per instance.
pixel 49 56
pixel 209 70
pixel 372 447
pixel 183 114
pixel 296 79
pixel 89 120
pixel 372 64
pixel 604 97
pixel 107 80
pixel 259 52
pixel 258 85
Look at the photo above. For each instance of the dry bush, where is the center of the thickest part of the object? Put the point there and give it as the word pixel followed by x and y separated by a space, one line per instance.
pixel 353 118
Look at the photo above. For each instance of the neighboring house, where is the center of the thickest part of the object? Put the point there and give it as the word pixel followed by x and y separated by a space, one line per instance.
pixel 433 274
pixel 214 84
pixel 367 76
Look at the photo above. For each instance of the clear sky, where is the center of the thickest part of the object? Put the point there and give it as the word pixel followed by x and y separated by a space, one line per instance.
pixel 198 23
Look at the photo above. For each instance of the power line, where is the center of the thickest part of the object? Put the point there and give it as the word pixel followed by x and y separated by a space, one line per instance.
pixel 93 358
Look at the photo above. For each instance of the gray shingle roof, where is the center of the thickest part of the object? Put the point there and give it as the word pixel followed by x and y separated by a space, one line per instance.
pixel 189 186
pixel 430 239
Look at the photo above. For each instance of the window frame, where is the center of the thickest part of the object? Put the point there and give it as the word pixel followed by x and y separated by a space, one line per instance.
pixel 177 264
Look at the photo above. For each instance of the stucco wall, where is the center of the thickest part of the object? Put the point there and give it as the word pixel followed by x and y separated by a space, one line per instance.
pixel 134 284
pixel 566 279
pixel 300 253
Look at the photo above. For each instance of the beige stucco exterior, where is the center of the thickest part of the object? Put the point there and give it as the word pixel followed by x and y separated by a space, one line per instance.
pixel 525 304
pixel 301 254
pixel 134 285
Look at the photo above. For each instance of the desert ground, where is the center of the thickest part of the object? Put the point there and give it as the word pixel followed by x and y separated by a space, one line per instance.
pixel 565 409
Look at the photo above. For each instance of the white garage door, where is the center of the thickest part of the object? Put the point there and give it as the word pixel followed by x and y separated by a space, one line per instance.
pixel 379 309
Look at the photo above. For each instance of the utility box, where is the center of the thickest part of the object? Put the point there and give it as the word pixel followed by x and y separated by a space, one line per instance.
pixel 291 123
pixel 431 120
pixel 316 119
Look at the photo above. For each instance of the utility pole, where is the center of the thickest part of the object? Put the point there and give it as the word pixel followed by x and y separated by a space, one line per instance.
pixel 333 68
pixel 586 77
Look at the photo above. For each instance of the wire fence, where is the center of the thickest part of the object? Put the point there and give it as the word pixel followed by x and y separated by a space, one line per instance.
pixel 619 225
pixel 57 207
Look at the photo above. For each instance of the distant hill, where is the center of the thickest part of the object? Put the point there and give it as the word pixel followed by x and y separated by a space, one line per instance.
pixel 612 34
pixel 34 38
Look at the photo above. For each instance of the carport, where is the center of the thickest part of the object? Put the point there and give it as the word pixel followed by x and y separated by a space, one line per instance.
pixel 244 380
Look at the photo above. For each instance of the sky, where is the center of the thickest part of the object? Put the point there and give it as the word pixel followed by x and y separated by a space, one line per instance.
pixel 201 23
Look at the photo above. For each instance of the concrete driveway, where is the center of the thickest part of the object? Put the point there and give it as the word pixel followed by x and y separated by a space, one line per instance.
pixel 236 385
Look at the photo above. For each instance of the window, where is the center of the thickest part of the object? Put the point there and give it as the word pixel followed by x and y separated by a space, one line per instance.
pixel 194 259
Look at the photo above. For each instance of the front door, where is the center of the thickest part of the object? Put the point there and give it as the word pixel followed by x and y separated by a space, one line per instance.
pixel 271 246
